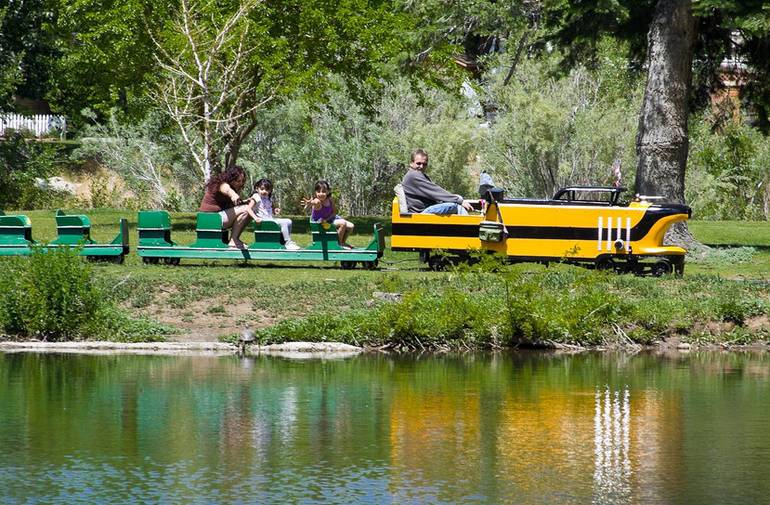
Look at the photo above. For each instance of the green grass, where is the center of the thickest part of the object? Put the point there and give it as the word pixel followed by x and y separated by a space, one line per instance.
pixel 728 261
pixel 732 233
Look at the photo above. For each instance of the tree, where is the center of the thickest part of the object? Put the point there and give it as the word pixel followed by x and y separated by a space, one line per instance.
pixel 468 32
pixel 678 34
pixel 662 139
pixel 210 92
pixel 136 151
pixel 25 50
pixel 223 61
pixel 104 54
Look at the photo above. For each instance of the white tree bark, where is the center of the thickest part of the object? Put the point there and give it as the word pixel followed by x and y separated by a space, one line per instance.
pixel 208 90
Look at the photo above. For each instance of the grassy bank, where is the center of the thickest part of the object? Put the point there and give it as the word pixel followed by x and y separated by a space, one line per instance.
pixel 723 296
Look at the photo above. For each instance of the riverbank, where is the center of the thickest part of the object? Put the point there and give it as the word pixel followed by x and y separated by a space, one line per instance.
pixel 722 300
pixel 333 350
pixel 296 350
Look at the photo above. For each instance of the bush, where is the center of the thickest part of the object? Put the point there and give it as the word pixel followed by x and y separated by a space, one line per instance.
pixel 727 171
pixel 553 130
pixel 51 296
pixel 362 152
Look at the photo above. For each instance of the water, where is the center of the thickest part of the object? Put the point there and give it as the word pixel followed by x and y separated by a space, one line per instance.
pixel 503 428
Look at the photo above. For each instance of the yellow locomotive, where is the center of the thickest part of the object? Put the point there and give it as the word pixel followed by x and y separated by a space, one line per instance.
pixel 581 225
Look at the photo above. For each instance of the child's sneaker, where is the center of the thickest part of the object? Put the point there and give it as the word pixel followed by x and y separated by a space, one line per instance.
pixel 292 246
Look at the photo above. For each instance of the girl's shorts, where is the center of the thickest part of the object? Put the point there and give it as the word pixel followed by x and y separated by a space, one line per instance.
pixel 335 218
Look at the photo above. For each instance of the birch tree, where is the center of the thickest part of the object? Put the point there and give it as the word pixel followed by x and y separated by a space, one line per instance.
pixel 209 88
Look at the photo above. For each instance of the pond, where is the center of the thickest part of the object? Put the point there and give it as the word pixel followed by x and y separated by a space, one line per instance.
pixel 477 428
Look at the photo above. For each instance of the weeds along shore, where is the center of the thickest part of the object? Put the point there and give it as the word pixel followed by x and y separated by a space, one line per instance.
pixel 59 297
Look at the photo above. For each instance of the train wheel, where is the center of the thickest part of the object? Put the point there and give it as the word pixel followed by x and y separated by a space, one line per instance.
pixel 151 261
pixel 171 261
pixel 605 264
pixel 370 265
pixel 118 260
pixel 679 266
pixel 438 262
pixel 661 267
pixel 347 265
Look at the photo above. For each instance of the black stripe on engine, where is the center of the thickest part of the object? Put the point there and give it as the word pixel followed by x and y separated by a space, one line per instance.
pixel 536 232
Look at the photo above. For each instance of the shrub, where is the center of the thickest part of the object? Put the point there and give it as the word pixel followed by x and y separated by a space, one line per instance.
pixel 363 151
pixel 551 131
pixel 52 296
pixel 727 171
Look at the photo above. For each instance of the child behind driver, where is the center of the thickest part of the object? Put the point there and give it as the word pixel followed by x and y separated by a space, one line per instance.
pixel 324 211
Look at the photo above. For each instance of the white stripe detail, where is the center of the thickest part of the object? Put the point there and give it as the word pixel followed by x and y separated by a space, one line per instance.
pixel 600 229
pixel 628 234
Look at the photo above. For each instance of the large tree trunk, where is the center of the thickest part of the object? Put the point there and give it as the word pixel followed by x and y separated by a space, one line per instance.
pixel 662 142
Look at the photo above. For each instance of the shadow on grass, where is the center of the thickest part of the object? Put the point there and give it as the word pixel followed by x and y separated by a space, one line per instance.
pixel 758 247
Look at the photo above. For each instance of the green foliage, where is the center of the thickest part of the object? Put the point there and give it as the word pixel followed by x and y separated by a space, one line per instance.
pixel 562 308
pixel 420 320
pixel 731 304
pixel 561 305
pixel 146 154
pixel 49 296
pixel 550 132
pixel 26 51
pixel 52 296
pixel 22 161
pixel 725 255
pixel 363 154
pixel 727 171
pixel 104 55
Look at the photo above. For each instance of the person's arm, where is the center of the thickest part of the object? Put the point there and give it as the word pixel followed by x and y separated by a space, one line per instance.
pixel 250 211
pixel 233 195
pixel 428 189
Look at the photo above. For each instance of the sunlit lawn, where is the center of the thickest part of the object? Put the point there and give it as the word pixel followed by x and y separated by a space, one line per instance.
pixel 728 234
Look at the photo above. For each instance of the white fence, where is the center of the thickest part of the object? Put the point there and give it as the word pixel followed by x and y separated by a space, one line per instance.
pixel 41 125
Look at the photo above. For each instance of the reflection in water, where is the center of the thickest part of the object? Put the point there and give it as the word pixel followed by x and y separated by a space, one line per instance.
pixel 612 470
pixel 520 428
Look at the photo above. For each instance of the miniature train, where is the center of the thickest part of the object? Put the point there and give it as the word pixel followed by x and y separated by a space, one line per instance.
pixel 72 231
pixel 580 225
pixel 155 244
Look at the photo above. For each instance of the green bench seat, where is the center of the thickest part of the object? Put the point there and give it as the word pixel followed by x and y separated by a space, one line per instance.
pixel 72 229
pixel 15 230
pixel 154 228
pixel 324 237
pixel 209 232
pixel 267 235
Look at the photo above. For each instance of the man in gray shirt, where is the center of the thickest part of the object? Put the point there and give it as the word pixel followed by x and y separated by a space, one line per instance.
pixel 425 196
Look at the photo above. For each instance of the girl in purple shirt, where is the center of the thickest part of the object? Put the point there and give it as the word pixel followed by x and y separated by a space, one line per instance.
pixel 323 211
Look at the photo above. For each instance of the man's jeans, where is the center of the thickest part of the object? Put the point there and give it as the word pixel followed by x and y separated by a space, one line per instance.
pixel 446 208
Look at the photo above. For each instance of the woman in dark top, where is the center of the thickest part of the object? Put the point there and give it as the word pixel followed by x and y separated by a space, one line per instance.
pixel 222 196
